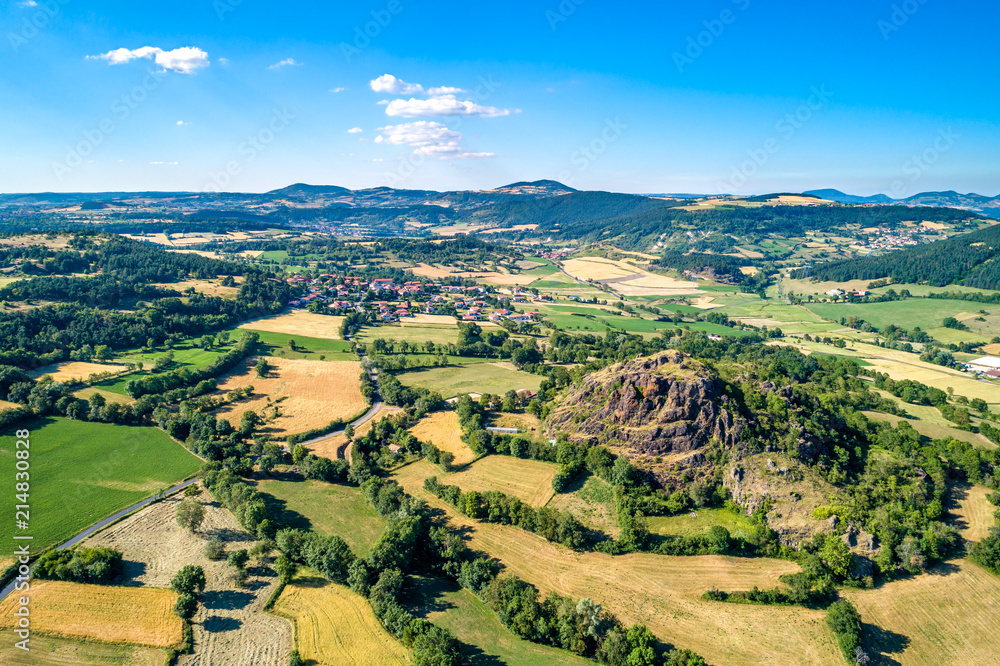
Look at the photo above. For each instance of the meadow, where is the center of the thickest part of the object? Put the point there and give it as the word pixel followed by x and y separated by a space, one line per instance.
pixel 443 431
pixel 926 313
pixel 485 639
pixel 329 509
pixel 452 381
pixel 106 613
pixel 699 521
pixel 308 348
pixel 333 625
pixel 82 472
pixel 592 501
pixel 436 333
pixel 187 356
pixel 54 651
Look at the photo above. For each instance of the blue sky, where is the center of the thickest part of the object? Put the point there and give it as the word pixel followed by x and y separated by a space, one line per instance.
pixel 719 96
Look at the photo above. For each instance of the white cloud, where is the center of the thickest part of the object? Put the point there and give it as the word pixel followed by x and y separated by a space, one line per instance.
pixel 287 62
pixel 185 60
pixel 427 138
pixel 387 83
pixel 445 105
pixel 444 90
pixel 355 130
pixel 28 4
pixel 337 90
pixel 181 123
pixel 223 61
pixel 165 163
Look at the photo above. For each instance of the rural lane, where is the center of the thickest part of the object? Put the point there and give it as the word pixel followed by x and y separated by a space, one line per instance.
pixel 104 523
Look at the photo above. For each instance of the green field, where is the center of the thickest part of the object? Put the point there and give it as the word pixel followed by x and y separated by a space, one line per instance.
pixel 592 501
pixel 191 357
pixel 484 639
pixel 328 509
pixel 927 313
pixel 699 522
pixel 306 347
pixel 471 378
pixel 82 472
pixel 416 333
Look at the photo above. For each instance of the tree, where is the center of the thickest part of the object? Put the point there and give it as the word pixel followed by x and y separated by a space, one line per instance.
pixel 189 580
pixel 190 514
pixel 845 622
pixel 349 431
pixel 238 558
pixel 284 567
pixel 215 549
pixel 262 368
pixel 186 606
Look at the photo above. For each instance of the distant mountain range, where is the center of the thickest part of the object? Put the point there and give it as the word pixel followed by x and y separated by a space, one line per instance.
pixel 951 199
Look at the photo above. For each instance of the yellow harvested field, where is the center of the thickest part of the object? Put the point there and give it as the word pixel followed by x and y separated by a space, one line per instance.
pixel 528 480
pixel 138 615
pixel 934 225
pixel 635 281
pixel 333 447
pixel 599 268
pixel 311 393
pixel 443 431
pixel 299 322
pixel 950 615
pixel 425 319
pixel 336 627
pixel 662 592
pixel 202 287
pixel 938 377
pixel 974 512
pixel 69 371
pixel 4 405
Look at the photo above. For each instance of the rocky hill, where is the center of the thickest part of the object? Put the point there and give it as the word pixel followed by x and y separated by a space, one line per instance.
pixel 659 411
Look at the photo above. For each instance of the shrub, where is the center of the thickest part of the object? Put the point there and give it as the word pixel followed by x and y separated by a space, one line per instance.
pixel 189 580
pixel 215 549
pixel 80 565
pixel 186 606
pixel 845 622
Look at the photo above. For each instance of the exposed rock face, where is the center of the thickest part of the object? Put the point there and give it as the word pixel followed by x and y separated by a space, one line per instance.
pixel 658 406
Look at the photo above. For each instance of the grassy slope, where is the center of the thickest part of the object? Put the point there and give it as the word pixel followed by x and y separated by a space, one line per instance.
pixel 327 509
pixel 83 472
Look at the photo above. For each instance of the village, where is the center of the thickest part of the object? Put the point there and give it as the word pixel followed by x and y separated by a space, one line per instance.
pixel 389 301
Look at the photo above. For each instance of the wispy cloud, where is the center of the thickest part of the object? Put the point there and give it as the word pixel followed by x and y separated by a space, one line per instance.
pixel 287 62
pixel 165 163
pixel 28 4
pixel 181 123
pixel 355 130
pixel 445 105
pixel 185 60
pixel 337 90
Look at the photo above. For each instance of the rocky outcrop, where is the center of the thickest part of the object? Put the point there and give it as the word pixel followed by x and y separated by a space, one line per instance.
pixel 656 406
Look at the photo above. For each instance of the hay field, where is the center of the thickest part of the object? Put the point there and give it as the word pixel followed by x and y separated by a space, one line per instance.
pixel 333 625
pixel 528 480
pixel 432 319
pixel 53 651
pixel 231 628
pixel 315 393
pixel 476 378
pixel 436 333
pixel 950 615
pixel 660 591
pixel 109 396
pixel 974 511
pixel 332 447
pixel 630 280
pixel 206 287
pixel 138 615
pixel 69 371
pixel 443 431
pixel 592 501
pixel 299 322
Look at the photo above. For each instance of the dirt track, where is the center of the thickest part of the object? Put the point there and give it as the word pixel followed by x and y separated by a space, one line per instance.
pixel 230 628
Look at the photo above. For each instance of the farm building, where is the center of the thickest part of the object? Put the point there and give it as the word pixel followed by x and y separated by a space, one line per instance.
pixel 984 364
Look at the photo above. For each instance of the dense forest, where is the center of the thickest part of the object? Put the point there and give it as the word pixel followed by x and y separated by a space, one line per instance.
pixel 969 259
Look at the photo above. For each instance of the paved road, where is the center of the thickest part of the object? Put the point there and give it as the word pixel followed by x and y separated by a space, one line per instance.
pixel 102 524
pixel 376 406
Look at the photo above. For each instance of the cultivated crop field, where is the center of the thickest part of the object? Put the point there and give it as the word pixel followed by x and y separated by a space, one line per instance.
pixel 663 592
pixel 74 371
pixel 528 480
pixel 437 333
pixel 83 472
pixel 443 431
pixel 231 627
pixel 111 614
pixel 54 651
pixel 311 393
pixel 299 322
pixel 326 508
pixel 462 613
pixel 950 615
pixel 474 378
pixel 333 625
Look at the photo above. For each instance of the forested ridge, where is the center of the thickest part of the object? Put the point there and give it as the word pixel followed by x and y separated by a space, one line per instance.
pixel 968 259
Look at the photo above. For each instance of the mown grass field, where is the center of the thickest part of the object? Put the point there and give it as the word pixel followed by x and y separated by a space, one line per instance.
pixel 333 625
pixel 74 371
pixel 436 333
pixel 443 431
pixel 83 472
pixel 329 509
pixel 528 480
pixel 299 322
pixel 106 613
pixel 950 615
pixel 277 344
pixel 698 522
pixel 927 313
pixel 191 357
pixel 974 513
pixel 54 651
pixel 592 501
pixel 452 381
pixel 485 639
pixel 662 592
